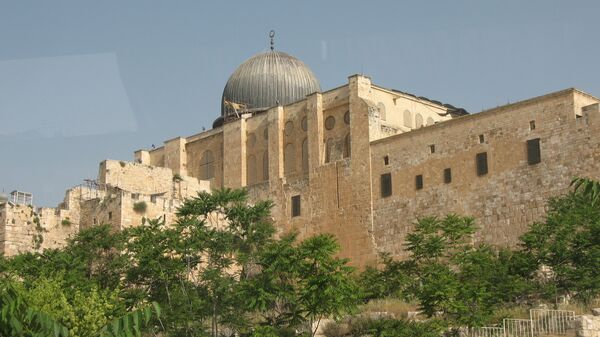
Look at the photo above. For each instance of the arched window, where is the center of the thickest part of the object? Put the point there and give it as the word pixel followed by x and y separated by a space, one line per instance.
pixel 347 146
pixel 430 121
pixel 305 155
pixel 289 159
pixel 408 119
pixel 251 170
pixel 418 121
pixel 207 165
pixel 328 150
pixel 381 108
pixel 266 165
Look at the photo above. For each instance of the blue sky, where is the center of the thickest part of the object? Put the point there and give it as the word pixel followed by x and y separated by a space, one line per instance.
pixel 82 81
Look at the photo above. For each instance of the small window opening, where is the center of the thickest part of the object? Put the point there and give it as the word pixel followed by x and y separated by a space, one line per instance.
pixel 95 222
pixel 432 148
pixel 109 215
pixel 447 176
pixel 386 185
pixel 295 206
pixel 481 139
pixel 534 155
pixel 419 182
pixel 482 164
pixel 532 125
pixel 386 160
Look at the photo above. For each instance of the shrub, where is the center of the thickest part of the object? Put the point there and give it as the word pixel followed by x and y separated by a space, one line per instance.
pixel 66 222
pixel 177 177
pixel 140 207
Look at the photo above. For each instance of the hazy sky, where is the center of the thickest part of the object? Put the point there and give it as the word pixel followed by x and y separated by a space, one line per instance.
pixel 82 81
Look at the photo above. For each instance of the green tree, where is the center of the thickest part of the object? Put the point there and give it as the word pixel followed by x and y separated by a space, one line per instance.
pixel 451 276
pixel 301 283
pixel 20 319
pixel 569 243
pixel 194 267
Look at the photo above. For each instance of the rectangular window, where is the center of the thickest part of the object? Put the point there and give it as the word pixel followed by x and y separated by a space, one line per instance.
pixel 109 215
pixel 481 139
pixel 534 155
pixel 482 164
pixel 532 125
pixel 432 148
pixel 386 160
pixel 295 205
pixel 419 182
pixel 447 176
pixel 386 185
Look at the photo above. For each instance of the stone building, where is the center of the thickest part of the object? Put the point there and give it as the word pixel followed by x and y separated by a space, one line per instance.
pixel 359 161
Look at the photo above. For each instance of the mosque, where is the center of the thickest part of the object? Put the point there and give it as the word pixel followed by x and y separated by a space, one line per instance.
pixel 359 161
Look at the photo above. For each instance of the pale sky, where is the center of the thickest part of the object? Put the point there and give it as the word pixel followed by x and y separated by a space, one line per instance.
pixel 83 81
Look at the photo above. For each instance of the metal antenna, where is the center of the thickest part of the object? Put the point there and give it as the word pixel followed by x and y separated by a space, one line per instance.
pixel 272 36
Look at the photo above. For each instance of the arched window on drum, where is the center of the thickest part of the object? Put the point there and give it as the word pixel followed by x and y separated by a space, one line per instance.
pixel 347 146
pixel 289 159
pixel 305 155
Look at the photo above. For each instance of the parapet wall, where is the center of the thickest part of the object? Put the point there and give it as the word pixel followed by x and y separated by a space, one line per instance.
pixel 111 200
pixel 512 194
pixel 25 228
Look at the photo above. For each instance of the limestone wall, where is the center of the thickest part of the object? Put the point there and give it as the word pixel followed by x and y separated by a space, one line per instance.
pixel 25 228
pixel 395 112
pixel 512 194
pixel 205 156
pixel 335 171
pixel 589 325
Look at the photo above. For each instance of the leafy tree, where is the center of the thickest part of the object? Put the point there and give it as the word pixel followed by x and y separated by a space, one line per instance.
pixel 18 318
pixel 569 242
pixel 301 283
pixel 449 275
pixel 195 266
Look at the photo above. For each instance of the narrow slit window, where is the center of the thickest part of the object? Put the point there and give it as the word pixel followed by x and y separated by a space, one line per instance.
pixel 419 182
pixel 432 148
pixel 534 155
pixel 295 206
pixel 481 139
pixel 386 185
pixel 482 163
pixel 447 176
pixel 532 125
pixel 386 160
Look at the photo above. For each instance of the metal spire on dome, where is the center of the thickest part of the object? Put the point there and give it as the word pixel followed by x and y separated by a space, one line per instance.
pixel 272 36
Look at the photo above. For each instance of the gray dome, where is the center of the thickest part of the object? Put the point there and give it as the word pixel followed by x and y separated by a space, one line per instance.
pixel 267 79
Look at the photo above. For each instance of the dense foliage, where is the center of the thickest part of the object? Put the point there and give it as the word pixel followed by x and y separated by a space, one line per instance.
pixel 464 283
pixel 220 270
pixel 217 271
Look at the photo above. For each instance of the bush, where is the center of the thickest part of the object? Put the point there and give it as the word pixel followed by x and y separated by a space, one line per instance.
pixel 66 222
pixel 140 207
pixel 394 328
